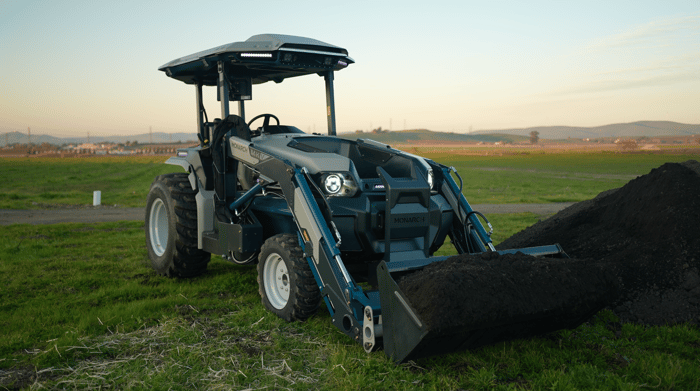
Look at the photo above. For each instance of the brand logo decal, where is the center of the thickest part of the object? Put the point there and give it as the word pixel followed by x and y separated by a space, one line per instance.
pixel 239 147
pixel 409 220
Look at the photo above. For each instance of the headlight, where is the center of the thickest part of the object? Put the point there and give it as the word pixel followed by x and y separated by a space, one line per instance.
pixel 339 185
pixel 332 184
pixel 431 179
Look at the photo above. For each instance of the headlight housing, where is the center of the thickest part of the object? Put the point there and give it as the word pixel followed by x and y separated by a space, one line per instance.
pixel 338 184
pixel 431 179
pixel 332 184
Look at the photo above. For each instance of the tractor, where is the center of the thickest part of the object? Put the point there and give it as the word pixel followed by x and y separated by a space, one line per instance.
pixel 327 219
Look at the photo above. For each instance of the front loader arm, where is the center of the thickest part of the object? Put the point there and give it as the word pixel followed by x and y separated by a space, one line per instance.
pixel 346 301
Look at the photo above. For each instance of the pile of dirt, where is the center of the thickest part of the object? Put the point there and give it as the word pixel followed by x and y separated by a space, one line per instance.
pixel 647 233
pixel 496 297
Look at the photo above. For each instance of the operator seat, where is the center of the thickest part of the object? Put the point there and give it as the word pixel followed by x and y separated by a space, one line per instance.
pixel 226 185
pixel 238 128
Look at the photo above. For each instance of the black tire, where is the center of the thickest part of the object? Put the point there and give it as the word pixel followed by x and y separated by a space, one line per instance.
pixel 171 227
pixel 295 294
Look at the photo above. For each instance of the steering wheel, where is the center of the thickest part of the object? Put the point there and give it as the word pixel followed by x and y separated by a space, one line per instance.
pixel 266 122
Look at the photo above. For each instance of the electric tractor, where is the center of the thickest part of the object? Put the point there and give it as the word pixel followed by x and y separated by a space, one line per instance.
pixel 327 220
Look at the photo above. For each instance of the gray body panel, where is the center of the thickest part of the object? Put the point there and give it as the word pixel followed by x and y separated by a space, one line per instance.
pixel 315 162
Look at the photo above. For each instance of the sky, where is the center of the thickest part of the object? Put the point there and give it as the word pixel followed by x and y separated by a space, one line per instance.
pixel 72 67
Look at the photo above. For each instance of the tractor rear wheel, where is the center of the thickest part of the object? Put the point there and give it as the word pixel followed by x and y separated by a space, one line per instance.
pixel 171 227
pixel 286 284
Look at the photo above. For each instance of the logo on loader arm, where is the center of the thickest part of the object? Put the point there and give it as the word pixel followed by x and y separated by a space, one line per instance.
pixel 240 149
pixel 409 220
pixel 239 146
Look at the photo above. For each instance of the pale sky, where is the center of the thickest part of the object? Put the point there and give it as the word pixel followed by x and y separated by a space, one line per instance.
pixel 71 67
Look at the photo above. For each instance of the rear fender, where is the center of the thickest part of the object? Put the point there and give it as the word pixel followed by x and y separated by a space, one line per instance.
pixel 192 163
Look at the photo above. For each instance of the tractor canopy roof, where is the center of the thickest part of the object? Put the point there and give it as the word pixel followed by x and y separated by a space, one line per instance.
pixel 261 58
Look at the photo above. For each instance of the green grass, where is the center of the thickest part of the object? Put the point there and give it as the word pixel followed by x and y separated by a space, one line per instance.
pixel 526 178
pixel 551 177
pixel 80 308
pixel 45 182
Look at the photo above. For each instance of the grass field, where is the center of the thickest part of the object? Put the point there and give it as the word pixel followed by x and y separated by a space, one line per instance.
pixel 525 178
pixel 542 178
pixel 81 309
pixel 46 182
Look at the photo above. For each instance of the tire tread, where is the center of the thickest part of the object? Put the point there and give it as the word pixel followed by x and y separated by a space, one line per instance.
pixel 305 296
pixel 187 259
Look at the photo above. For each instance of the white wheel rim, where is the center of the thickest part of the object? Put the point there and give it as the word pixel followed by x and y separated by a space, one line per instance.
pixel 276 280
pixel 158 227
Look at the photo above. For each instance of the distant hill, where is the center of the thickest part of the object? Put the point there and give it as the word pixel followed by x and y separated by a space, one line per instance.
pixel 37 139
pixel 396 137
pixel 633 129
pixel 404 136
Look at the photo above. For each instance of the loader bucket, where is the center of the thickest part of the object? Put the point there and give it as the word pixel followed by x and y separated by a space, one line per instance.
pixel 468 301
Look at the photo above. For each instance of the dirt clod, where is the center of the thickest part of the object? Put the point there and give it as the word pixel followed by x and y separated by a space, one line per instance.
pixel 647 232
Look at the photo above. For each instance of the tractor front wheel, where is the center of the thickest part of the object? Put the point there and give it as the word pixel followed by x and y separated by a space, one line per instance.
pixel 171 227
pixel 286 284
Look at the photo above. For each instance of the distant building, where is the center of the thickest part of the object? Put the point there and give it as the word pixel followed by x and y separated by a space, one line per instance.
pixel 87 146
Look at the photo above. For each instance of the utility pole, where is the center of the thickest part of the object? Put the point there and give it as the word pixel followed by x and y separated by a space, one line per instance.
pixel 88 137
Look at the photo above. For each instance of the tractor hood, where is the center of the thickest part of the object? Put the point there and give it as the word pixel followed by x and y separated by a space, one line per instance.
pixel 298 149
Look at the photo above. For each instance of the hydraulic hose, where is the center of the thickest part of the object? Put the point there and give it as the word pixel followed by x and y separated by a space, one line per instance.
pixel 483 217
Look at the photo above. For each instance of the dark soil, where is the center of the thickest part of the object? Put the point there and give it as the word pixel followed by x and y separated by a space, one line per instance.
pixel 507 296
pixel 635 249
pixel 648 234
pixel 23 377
